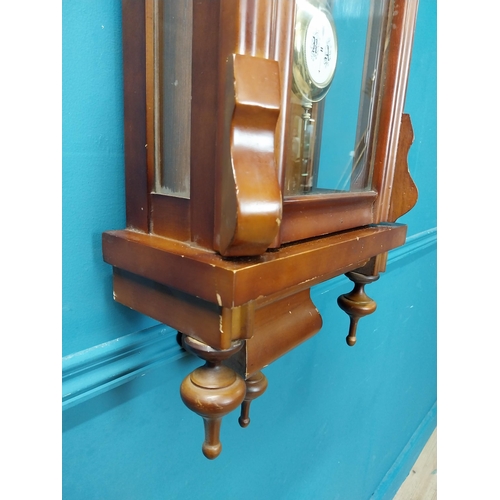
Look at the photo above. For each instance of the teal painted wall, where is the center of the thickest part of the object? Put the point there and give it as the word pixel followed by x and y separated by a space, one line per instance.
pixel 335 423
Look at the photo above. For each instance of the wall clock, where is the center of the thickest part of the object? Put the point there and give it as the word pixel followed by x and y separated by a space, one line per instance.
pixel 265 152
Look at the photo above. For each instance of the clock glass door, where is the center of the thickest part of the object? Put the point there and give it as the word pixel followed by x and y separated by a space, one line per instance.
pixel 336 80
pixel 169 94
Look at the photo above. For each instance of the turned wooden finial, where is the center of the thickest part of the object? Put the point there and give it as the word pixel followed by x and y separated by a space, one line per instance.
pixel 256 385
pixel 212 391
pixel 356 303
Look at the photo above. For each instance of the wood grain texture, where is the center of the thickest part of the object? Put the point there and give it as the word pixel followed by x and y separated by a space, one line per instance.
pixel 404 193
pixel 396 69
pixel 249 207
pixel 204 112
pixel 134 90
pixel 179 310
pixel 279 327
pixel 232 283
pixel 260 29
pixel 212 390
pixel 203 265
pixel 313 215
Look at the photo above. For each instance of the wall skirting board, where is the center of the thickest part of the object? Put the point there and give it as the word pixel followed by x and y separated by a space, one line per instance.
pixel 396 475
pixel 93 371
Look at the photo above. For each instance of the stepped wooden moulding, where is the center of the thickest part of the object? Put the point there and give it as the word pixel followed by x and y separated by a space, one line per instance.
pixel 228 137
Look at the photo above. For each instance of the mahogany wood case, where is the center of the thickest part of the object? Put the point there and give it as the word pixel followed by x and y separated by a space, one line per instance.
pixel 231 264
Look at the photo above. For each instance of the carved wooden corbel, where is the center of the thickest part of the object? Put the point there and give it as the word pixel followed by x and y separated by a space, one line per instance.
pixel 403 198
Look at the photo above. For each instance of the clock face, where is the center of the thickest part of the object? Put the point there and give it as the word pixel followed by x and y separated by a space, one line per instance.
pixel 315 51
pixel 320 50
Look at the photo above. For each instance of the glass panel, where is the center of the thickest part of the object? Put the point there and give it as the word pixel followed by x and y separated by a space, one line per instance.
pixel 173 29
pixel 330 144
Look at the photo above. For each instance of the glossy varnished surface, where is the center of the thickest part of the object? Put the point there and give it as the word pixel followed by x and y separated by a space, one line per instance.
pixel 262 29
pixel 398 55
pixel 313 215
pixel 134 88
pixel 249 210
pixel 233 282
pixel 202 265
pixel 405 193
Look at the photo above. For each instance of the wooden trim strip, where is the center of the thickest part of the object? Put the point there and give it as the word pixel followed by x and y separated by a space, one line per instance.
pixel 396 73
pixel 134 91
pixel 204 106
pixel 309 216
pixel 170 216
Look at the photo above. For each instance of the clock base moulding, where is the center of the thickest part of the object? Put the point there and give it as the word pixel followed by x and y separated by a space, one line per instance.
pixel 239 315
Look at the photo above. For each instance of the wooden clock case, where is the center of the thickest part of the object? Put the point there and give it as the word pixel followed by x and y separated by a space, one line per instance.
pixel 231 265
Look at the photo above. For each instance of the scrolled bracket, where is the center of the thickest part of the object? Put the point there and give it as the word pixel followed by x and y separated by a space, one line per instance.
pixel 404 193
pixel 212 391
pixel 249 210
pixel 356 303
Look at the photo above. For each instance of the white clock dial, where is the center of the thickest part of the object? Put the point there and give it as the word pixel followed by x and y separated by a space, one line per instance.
pixel 315 50
pixel 320 49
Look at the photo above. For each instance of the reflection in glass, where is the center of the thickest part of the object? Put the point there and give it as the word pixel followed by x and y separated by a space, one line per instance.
pixel 344 119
